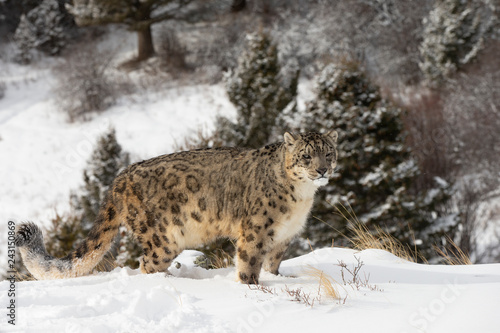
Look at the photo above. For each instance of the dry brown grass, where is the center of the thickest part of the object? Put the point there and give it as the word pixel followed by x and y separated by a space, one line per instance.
pixel 328 284
pixel 220 259
pixel 379 239
pixel 364 239
pixel 452 254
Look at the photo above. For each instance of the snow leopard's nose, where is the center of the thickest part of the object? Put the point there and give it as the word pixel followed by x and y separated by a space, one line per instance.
pixel 321 171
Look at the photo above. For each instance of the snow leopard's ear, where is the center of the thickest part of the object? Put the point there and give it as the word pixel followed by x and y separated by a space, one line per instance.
pixel 289 138
pixel 332 136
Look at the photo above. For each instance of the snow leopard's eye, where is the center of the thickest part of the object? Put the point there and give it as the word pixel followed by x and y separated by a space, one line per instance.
pixel 329 155
pixel 306 157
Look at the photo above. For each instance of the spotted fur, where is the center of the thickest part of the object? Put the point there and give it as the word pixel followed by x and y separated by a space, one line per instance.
pixel 260 197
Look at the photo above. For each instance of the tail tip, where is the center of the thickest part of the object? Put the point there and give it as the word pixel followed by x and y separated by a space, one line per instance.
pixel 27 233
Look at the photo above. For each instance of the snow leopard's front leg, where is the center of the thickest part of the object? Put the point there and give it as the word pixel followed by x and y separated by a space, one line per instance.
pixel 252 245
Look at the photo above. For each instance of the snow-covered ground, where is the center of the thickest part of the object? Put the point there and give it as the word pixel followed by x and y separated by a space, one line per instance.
pixel 394 296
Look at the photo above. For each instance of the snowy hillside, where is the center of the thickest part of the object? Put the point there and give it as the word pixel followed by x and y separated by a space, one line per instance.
pixel 392 296
pixel 42 155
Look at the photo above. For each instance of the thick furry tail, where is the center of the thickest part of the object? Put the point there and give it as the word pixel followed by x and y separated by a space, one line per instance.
pixel 29 239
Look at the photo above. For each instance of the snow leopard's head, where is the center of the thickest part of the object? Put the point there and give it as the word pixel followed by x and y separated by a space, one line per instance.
pixel 311 156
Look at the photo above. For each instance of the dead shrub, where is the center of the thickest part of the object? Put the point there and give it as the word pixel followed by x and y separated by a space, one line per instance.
pixel 473 111
pixel 172 53
pixel 83 84
pixel 429 137
pixel 3 87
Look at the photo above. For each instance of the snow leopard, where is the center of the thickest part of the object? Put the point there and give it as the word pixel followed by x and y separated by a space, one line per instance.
pixel 259 197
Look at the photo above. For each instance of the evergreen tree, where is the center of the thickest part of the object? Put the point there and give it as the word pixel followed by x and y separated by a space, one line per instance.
pixel 10 14
pixel 375 171
pixel 106 161
pixel 47 28
pixel 64 234
pixel 103 166
pixel 68 230
pixel 258 90
pixel 453 35
pixel 264 94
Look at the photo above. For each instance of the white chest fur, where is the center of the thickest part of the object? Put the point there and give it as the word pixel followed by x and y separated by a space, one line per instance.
pixel 296 218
